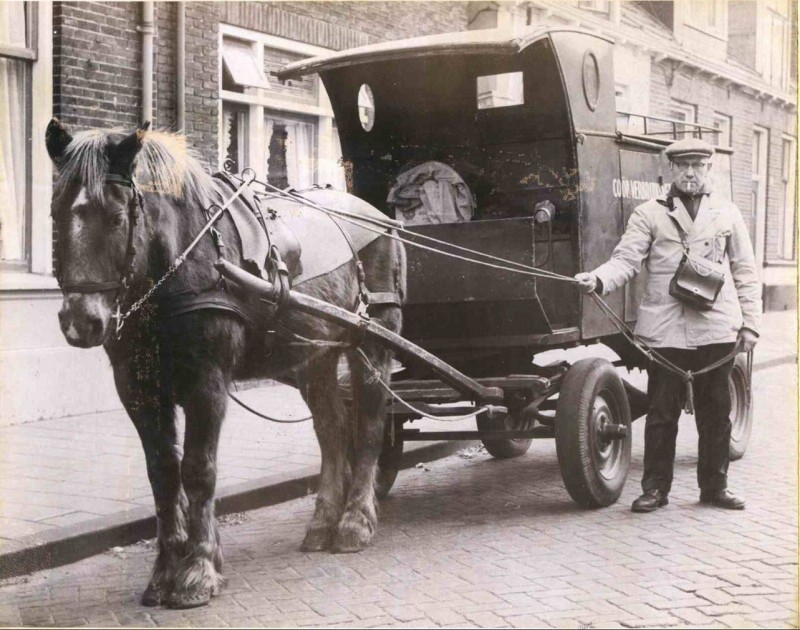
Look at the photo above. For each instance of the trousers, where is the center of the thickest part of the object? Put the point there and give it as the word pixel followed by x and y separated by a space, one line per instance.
pixel 712 403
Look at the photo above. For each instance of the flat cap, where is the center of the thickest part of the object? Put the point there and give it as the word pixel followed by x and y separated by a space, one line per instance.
pixel 688 147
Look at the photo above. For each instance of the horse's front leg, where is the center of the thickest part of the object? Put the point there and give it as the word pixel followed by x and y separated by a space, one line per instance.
pixel 199 574
pixel 152 411
pixel 359 519
pixel 320 389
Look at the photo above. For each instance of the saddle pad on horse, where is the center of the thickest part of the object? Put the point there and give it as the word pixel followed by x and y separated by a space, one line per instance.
pixel 311 241
pixel 326 241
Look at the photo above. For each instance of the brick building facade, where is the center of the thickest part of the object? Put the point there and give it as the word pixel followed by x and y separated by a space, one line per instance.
pixel 83 62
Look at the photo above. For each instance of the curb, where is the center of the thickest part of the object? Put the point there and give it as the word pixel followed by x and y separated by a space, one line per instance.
pixel 69 544
pixel 66 545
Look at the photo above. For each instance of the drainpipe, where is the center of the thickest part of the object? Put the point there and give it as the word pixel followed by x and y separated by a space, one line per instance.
pixel 180 91
pixel 146 29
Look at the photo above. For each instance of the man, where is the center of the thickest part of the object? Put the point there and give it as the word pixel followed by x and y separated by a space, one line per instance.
pixel 689 338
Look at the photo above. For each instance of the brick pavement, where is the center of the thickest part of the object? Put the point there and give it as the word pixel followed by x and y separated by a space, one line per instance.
pixel 486 543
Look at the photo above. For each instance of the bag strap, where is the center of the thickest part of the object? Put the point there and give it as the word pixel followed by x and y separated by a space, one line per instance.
pixel 681 231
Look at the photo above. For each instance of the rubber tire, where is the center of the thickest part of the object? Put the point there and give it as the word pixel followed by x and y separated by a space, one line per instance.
pixel 505 448
pixel 741 410
pixel 575 442
pixel 389 463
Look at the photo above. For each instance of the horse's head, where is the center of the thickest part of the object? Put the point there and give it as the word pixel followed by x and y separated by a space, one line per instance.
pixel 96 207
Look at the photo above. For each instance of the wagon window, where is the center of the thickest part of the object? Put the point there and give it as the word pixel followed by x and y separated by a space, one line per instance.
pixel 500 90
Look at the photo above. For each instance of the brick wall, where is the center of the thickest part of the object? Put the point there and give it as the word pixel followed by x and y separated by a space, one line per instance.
pixel 96 64
pixel 340 25
pixel 745 111
pixel 165 67
pixel 202 79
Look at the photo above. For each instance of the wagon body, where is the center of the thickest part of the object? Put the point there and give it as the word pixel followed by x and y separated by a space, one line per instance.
pixel 523 119
pixel 528 123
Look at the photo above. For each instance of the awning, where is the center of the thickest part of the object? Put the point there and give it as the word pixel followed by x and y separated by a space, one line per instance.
pixel 241 63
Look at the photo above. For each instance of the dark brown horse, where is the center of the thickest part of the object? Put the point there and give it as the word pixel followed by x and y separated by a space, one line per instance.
pixel 126 206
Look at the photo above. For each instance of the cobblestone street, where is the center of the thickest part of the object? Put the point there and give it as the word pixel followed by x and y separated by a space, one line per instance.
pixel 473 542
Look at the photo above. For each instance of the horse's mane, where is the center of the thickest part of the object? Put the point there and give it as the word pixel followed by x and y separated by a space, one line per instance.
pixel 164 165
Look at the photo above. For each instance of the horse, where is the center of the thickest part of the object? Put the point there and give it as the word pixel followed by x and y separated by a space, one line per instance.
pixel 125 206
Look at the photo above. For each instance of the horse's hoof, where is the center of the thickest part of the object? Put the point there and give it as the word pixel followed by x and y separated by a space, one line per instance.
pixel 317 539
pixel 350 541
pixel 154 595
pixel 182 600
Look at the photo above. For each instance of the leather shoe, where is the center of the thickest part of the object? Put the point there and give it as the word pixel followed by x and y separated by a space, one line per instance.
pixel 722 499
pixel 650 501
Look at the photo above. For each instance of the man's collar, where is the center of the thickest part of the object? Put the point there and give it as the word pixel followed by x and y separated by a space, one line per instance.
pixel 675 192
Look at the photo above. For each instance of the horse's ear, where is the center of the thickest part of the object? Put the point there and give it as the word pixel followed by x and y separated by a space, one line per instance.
pixel 56 138
pixel 128 148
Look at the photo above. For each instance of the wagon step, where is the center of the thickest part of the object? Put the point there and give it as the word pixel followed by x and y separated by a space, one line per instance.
pixel 415 435
pixel 435 391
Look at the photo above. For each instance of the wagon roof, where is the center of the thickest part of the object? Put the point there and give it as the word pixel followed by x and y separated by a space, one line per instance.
pixel 478 42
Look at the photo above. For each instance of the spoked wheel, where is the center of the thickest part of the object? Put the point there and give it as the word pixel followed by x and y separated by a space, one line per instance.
pixel 388 463
pixel 741 408
pixel 506 448
pixel 593 433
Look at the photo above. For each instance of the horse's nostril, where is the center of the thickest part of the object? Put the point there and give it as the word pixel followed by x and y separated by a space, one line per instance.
pixel 95 325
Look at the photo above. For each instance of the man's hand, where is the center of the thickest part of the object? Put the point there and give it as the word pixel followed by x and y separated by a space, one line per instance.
pixel 587 282
pixel 747 340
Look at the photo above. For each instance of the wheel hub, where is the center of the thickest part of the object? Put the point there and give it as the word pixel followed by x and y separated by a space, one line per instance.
pixel 607 445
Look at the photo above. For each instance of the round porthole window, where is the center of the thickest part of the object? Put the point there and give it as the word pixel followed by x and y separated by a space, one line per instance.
pixel 366 107
pixel 591 80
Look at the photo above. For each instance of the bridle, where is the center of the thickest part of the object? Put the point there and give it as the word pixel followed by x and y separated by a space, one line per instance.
pixel 122 284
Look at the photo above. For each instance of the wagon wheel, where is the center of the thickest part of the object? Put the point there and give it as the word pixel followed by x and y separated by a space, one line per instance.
pixel 389 462
pixel 593 433
pixel 741 408
pixel 506 448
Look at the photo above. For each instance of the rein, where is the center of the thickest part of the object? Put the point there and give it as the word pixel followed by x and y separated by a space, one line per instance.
pixel 209 225
pixel 379 226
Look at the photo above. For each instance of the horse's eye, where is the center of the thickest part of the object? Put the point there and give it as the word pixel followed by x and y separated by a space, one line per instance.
pixel 116 220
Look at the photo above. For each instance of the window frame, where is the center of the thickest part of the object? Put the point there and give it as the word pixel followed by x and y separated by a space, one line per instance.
pixel 689 108
pixel 788 242
pixel 259 100
pixel 729 122
pixel 594 6
pixel 719 30
pixel 764 47
pixel 28 55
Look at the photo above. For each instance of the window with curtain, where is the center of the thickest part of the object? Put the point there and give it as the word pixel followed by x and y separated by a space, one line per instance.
pixel 17 54
pixel 235 133
pixel 291 152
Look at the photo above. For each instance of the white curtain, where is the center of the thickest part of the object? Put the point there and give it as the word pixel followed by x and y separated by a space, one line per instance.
pixel 300 154
pixel 299 158
pixel 337 174
pixel 12 134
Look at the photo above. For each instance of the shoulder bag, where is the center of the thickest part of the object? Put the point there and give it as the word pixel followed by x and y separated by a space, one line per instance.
pixel 697 281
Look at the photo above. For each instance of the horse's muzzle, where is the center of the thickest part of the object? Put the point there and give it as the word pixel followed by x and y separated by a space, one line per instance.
pixel 84 318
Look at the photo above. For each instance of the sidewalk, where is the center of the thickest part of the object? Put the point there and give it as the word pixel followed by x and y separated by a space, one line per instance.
pixel 71 487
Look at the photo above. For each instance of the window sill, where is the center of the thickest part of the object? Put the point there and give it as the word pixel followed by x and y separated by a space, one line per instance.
pixel 780 263
pixel 11 280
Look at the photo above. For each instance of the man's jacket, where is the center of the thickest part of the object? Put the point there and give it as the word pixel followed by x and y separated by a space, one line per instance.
pixel 717 233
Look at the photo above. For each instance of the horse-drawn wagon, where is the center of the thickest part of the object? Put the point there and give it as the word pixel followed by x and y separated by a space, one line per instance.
pixel 501 152
pixel 528 123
